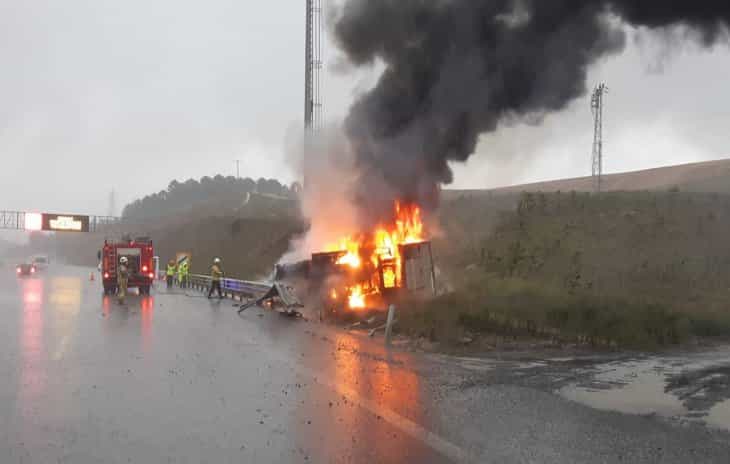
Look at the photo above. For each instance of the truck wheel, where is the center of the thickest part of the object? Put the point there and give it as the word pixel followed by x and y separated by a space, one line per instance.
pixel 144 290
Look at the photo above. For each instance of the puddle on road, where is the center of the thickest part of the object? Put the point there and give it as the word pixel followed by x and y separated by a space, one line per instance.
pixel 687 388
pixel 634 388
pixel 719 415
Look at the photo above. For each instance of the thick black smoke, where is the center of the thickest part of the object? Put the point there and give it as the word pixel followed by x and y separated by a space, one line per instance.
pixel 455 68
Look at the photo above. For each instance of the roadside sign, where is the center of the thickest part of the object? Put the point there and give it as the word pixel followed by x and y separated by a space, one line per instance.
pixel 65 222
pixel 183 256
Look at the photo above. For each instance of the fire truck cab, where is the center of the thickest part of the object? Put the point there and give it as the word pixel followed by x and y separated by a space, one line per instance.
pixel 139 254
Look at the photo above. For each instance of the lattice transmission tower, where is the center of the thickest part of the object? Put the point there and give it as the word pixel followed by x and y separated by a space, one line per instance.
pixel 313 66
pixel 597 109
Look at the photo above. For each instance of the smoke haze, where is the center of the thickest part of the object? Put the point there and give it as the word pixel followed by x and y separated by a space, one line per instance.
pixel 327 165
pixel 455 69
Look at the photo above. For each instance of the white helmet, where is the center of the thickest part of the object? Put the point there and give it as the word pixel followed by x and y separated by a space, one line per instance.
pixel 216 260
pixel 123 260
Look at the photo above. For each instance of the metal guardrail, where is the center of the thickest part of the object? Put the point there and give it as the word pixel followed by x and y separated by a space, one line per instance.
pixel 12 219
pixel 232 288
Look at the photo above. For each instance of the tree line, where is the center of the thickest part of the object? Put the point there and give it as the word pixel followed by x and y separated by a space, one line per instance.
pixel 223 191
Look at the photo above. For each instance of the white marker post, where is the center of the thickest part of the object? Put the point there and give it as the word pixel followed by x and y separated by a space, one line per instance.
pixel 389 324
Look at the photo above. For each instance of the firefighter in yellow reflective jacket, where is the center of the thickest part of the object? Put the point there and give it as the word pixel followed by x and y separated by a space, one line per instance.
pixel 216 274
pixel 183 270
pixel 122 279
pixel 170 273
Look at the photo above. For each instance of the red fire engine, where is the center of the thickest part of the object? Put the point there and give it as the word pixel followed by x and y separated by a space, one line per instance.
pixel 139 254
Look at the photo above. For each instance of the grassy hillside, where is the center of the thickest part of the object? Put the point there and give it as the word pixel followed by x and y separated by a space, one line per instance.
pixel 707 176
pixel 629 268
pixel 463 222
pixel 249 247
pixel 665 247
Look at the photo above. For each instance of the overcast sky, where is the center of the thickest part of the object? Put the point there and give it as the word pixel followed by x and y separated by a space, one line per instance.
pixel 98 95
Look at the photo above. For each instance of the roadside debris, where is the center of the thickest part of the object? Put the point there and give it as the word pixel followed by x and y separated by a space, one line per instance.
pixel 280 296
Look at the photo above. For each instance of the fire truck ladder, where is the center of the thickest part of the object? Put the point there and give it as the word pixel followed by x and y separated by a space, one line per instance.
pixel 112 261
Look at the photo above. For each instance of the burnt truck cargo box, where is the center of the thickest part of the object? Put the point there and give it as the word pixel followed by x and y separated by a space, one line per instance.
pixel 324 264
pixel 417 272
pixel 298 270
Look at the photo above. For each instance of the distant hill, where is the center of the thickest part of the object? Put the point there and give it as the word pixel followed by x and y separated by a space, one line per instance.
pixel 708 176
pixel 210 194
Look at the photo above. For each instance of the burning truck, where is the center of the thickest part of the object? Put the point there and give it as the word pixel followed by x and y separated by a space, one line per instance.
pixel 367 270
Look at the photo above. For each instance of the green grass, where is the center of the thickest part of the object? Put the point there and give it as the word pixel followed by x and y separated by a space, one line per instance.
pixel 636 269
pixel 515 308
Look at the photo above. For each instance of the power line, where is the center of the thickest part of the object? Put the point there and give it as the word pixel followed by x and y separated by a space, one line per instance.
pixel 597 109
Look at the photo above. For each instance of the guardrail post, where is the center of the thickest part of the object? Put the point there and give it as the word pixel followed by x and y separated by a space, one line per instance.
pixel 389 324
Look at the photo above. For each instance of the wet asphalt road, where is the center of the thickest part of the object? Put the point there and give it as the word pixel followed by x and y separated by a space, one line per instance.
pixel 177 378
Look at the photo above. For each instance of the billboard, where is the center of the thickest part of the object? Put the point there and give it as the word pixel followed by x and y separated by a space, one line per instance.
pixel 65 222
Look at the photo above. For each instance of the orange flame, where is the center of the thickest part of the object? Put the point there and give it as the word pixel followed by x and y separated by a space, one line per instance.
pixel 356 299
pixel 352 248
pixel 384 241
pixel 389 277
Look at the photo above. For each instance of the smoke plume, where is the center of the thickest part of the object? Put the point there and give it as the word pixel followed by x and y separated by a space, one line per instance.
pixel 455 68
pixel 327 164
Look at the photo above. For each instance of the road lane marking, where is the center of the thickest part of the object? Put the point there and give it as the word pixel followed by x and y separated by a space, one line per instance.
pixel 407 426
pixel 430 439
pixel 61 348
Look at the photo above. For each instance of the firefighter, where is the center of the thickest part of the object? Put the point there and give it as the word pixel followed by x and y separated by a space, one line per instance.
pixel 170 273
pixel 122 279
pixel 183 270
pixel 216 273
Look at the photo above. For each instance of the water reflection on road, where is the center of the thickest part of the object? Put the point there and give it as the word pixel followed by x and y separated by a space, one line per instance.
pixel 359 374
pixel 136 307
pixel 65 303
pixel 32 347
pixel 147 309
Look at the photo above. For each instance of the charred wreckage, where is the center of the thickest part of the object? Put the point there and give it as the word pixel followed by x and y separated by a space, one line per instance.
pixel 369 270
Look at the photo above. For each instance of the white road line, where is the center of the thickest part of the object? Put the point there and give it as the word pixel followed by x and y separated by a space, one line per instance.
pixel 407 426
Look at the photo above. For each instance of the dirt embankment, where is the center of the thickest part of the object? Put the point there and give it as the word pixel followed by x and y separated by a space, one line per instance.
pixel 707 177
pixel 623 268
pixel 249 247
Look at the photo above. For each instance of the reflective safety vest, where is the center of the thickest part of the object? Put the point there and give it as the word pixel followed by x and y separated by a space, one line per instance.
pixel 183 269
pixel 122 273
pixel 170 270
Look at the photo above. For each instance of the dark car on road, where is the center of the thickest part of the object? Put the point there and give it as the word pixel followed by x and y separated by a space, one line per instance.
pixel 25 269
